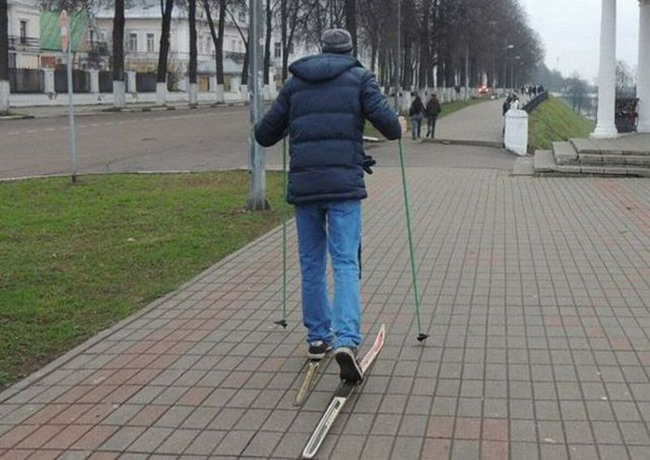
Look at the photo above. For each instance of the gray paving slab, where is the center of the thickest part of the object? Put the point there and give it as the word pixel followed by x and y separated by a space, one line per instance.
pixel 535 293
pixel 478 123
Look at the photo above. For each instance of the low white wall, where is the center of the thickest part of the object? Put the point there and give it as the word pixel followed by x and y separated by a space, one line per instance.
pixel 61 99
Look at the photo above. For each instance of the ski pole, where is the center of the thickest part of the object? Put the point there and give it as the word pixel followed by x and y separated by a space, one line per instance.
pixel 421 336
pixel 283 321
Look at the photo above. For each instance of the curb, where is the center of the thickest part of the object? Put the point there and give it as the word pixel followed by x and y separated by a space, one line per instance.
pixel 470 143
pixel 16 117
pixel 107 110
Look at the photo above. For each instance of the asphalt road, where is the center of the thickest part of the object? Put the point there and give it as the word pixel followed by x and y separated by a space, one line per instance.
pixel 181 140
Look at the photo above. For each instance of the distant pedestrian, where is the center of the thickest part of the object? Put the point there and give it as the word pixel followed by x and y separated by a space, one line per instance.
pixel 506 104
pixel 416 112
pixel 432 110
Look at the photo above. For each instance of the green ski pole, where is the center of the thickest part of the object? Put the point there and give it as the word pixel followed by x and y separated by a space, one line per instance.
pixel 421 336
pixel 283 321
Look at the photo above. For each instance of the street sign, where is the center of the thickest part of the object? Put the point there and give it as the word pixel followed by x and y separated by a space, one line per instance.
pixel 63 22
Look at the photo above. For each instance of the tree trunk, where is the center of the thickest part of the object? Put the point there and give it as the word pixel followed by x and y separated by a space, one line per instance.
pixel 118 41
pixel 213 33
pixel 4 41
pixel 284 18
pixel 164 42
pixel 267 48
pixel 119 87
pixel 244 72
pixel 425 58
pixel 4 57
pixel 219 51
pixel 193 89
pixel 193 51
pixel 351 22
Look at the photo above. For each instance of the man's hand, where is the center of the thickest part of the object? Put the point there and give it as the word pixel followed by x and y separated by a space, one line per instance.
pixel 402 122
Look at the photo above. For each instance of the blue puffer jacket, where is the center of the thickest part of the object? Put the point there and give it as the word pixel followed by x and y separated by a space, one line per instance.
pixel 324 106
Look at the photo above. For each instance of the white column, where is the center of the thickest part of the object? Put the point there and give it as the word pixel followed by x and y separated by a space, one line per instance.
pixel 94 81
pixel 643 86
pixel 131 85
pixel 194 94
pixel 119 94
pixel 48 75
pixel 606 127
pixel 161 93
pixel 5 92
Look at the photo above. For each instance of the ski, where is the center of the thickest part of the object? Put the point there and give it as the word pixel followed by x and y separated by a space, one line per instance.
pixel 308 380
pixel 341 396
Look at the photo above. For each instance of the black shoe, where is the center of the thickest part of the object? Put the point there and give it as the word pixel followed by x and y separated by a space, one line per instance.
pixel 318 350
pixel 350 368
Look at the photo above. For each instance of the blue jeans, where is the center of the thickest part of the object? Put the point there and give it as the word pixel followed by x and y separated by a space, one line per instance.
pixel 337 226
pixel 416 125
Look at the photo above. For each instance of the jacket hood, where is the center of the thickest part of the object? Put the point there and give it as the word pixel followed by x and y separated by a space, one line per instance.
pixel 323 67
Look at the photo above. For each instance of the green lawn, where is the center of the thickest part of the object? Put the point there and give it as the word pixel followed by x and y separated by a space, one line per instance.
pixel 447 109
pixel 76 259
pixel 555 121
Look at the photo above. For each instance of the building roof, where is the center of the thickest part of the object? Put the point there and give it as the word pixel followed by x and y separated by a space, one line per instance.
pixel 51 30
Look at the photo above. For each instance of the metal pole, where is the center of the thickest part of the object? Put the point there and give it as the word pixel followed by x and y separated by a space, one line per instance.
pixel 73 146
pixel 467 72
pixel 257 199
pixel 505 67
pixel 283 321
pixel 398 56
pixel 421 335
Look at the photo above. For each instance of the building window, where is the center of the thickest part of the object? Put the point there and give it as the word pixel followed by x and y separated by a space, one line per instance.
pixel 91 36
pixel 23 32
pixel 278 50
pixel 150 43
pixel 243 16
pixel 133 42
pixel 233 46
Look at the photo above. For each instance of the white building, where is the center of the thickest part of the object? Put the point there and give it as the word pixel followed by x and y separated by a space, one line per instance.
pixel 606 127
pixel 24 33
pixel 143 28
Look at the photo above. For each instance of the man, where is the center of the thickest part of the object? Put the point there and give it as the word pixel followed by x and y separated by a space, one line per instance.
pixel 323 108
pixel 432 111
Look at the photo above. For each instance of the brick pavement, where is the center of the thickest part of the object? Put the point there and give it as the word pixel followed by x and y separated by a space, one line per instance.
pixel 477 123
pixel 535 293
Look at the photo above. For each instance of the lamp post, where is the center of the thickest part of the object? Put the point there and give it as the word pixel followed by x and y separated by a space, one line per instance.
pixel 505 64
pixel 257 197
pixel 398 56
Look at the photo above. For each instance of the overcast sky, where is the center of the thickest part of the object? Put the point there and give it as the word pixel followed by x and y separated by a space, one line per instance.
pixel 570 30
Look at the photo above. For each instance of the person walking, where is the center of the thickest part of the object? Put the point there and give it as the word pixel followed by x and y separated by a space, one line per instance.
pixel 432 110
pixel 323 108
pixel 416 112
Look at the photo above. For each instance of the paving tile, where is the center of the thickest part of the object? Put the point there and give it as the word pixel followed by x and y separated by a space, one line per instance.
pixel 177 442
pixel 151 439
pixel 377 448
pixel 234 443
pixel 205 443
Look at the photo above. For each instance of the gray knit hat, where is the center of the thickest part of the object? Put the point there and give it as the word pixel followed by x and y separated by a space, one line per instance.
pixel 336 41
